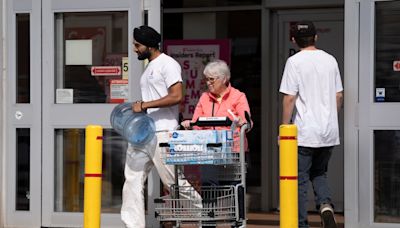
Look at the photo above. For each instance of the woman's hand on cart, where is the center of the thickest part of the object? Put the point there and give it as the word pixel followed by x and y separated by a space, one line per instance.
pixel 186 124
pixel 239 122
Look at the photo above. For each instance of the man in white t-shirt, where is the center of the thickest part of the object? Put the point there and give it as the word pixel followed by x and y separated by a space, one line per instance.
pixel 311 82
pixel 161 88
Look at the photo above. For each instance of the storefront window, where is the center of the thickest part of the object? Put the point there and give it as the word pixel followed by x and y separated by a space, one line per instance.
pixel 207 3
pixel 70 168
pixel 244 38
pixel 23 168
pixel 91 55
pixel 387 176
pixel 23 71
pixel 387 51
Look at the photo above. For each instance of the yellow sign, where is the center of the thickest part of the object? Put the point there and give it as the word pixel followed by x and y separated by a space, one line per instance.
pixel 125 68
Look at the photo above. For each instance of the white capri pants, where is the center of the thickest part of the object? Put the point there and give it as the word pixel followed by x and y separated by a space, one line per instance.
pixel 139 162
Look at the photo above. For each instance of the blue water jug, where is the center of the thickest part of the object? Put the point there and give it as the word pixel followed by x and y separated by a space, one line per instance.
pixel 139 129
pixel 136 127
pixel 120 115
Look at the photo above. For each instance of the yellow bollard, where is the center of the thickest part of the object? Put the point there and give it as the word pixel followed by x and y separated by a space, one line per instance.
pixel 288 176
pixel 93 174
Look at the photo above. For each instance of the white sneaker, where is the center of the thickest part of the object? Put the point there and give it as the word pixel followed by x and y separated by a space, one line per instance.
pixel 327 216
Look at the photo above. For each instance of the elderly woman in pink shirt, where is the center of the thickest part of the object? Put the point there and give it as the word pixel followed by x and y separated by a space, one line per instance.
pixel 221 100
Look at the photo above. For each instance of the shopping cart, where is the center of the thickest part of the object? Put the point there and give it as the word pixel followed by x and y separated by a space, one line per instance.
pixel 223 204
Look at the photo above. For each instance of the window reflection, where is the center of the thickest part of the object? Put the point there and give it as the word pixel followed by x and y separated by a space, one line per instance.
pixel 101 40
pixel 207 3
pixel 387 176
pixel 23 145
pixel 69 170
pixel 23 71
pixel 387 51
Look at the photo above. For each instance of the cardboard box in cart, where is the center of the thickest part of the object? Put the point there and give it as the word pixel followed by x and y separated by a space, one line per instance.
pixel 199 146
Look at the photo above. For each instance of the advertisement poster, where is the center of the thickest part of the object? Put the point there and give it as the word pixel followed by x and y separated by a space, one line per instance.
pixel 193 55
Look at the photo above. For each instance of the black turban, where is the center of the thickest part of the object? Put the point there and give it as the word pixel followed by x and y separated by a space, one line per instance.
pixel 147 36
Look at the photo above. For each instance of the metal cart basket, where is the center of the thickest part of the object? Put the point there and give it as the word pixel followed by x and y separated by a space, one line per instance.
pixel 222 204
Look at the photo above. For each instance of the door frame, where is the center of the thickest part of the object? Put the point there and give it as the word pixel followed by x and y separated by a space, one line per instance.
pixel 370 116
pixel 83 114
pixel 351 113
pixel 37 113
pixel 29 117
pixel 362 114
pixel 277 62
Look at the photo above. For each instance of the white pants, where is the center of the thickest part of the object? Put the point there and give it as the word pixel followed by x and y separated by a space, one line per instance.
pixel 139 162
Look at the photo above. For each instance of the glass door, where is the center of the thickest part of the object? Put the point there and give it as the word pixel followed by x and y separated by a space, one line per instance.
pixel 379 131
pixel 23 120
pixel 86 53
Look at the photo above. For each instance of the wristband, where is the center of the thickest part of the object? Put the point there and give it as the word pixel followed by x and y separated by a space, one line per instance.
pixel 141 106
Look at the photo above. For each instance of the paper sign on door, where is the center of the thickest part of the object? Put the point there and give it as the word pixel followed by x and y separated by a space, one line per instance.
pixel 118 90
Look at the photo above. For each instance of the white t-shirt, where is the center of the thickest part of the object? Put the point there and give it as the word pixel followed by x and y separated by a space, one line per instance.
pixel 160 74
pixel 314 76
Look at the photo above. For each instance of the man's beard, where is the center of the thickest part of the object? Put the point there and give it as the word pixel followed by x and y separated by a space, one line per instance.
pixel 144 55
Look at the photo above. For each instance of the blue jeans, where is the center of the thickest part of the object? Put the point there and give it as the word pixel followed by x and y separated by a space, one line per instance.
pixel 313 166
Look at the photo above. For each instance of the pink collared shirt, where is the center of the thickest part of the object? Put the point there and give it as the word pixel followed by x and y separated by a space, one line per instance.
pixel 234 100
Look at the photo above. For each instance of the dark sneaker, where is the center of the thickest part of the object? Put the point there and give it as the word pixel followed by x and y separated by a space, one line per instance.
pixel 327 216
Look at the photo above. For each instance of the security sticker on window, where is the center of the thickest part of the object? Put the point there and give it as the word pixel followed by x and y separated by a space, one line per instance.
pixel 380 94
pixel 118 90
pixel 64 96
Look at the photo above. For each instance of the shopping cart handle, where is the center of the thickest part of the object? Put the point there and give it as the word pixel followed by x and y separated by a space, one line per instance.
pixel 163 145
pixel 212 121
pixel 214 144
pixel 248 119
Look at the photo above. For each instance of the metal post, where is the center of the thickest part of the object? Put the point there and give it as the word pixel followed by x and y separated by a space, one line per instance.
pixel 288 176
pixel 93 174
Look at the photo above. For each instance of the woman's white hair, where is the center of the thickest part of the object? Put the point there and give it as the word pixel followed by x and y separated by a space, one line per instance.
pixel 218 68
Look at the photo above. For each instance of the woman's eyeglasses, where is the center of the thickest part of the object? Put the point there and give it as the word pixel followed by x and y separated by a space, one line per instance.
pixel 211 79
